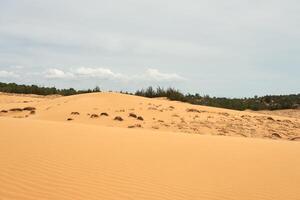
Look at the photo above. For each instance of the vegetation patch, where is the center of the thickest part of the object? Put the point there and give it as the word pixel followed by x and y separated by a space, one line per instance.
pixel 140 118
pixel 29 108
pixel 132 115
pixel 268 102
pixel 104 114
pixel 118 118
pixel 193 110
pixel 16 110
pixel 94 116
pixel 75 113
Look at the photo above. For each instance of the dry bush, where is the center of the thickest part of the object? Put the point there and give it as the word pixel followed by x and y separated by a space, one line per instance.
pixel 32 112
pixel 295 139
pixel 118 118
pixel 70 119
pixel 16 110
pixel 94 116
pixel 104 114
pixel 132 115
pixel 29 108
pixel 4 111
pixel 75 113
pixel 135 126
pixel 140 118
pixel 276 135
pixel 193 110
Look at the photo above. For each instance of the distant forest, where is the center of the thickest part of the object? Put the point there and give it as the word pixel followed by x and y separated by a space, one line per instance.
pixel 268 102
pixel 34 89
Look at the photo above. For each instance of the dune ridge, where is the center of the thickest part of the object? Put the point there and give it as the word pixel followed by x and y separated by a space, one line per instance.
pixel 114 110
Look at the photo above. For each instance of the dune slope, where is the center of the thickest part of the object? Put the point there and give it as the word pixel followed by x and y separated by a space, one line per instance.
pixel 59 160
pixel 155 114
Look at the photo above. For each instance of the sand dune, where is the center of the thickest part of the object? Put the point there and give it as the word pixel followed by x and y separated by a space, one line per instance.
pixel 114 146
pixel 59 160
pixel 156 114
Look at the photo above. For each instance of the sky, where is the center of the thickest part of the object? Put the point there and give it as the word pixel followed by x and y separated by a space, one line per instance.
pixel 232 48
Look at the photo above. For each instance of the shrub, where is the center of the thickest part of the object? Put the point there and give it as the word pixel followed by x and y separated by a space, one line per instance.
pixel 104 114
pixel 132 115
pixel 140 118
pixel 118 118
pixel 29 108
pixel 75 113
pixel 16 110
pixel 94 116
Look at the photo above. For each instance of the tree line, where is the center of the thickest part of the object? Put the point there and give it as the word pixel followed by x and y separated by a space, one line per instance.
pixel 268 102
pixel 40 90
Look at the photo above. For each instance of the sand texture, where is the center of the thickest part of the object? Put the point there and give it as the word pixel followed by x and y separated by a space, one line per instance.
pixel 119 110
pixel 172 151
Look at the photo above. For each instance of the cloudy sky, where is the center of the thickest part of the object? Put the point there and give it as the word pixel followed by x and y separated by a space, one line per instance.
pixel 223 48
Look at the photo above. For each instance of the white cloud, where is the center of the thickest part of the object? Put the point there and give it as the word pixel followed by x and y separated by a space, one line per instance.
pixel 156 75
pixel 54 73
pixel 106 73
pixel 97 73
pixel 8 74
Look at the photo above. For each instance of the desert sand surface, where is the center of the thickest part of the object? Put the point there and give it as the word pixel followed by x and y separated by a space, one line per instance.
pixel 155 114
pixel 57 160
pixel 63 148
pixel 294 113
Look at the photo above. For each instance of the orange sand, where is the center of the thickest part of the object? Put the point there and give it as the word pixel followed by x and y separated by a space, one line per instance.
pixel 43 156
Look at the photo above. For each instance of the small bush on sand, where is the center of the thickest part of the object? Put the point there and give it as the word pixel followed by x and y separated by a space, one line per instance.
pixel 4 111
pixel 32 112
pixel 104 114
pixel 140 118
pixel 118 118
pixel 132 115
pixel 192 110
pixel 94 116
pixel 276 135
pixel 29 108
pixel 16 110
pixel 135 126
pixel 69 119
pixel 75 113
